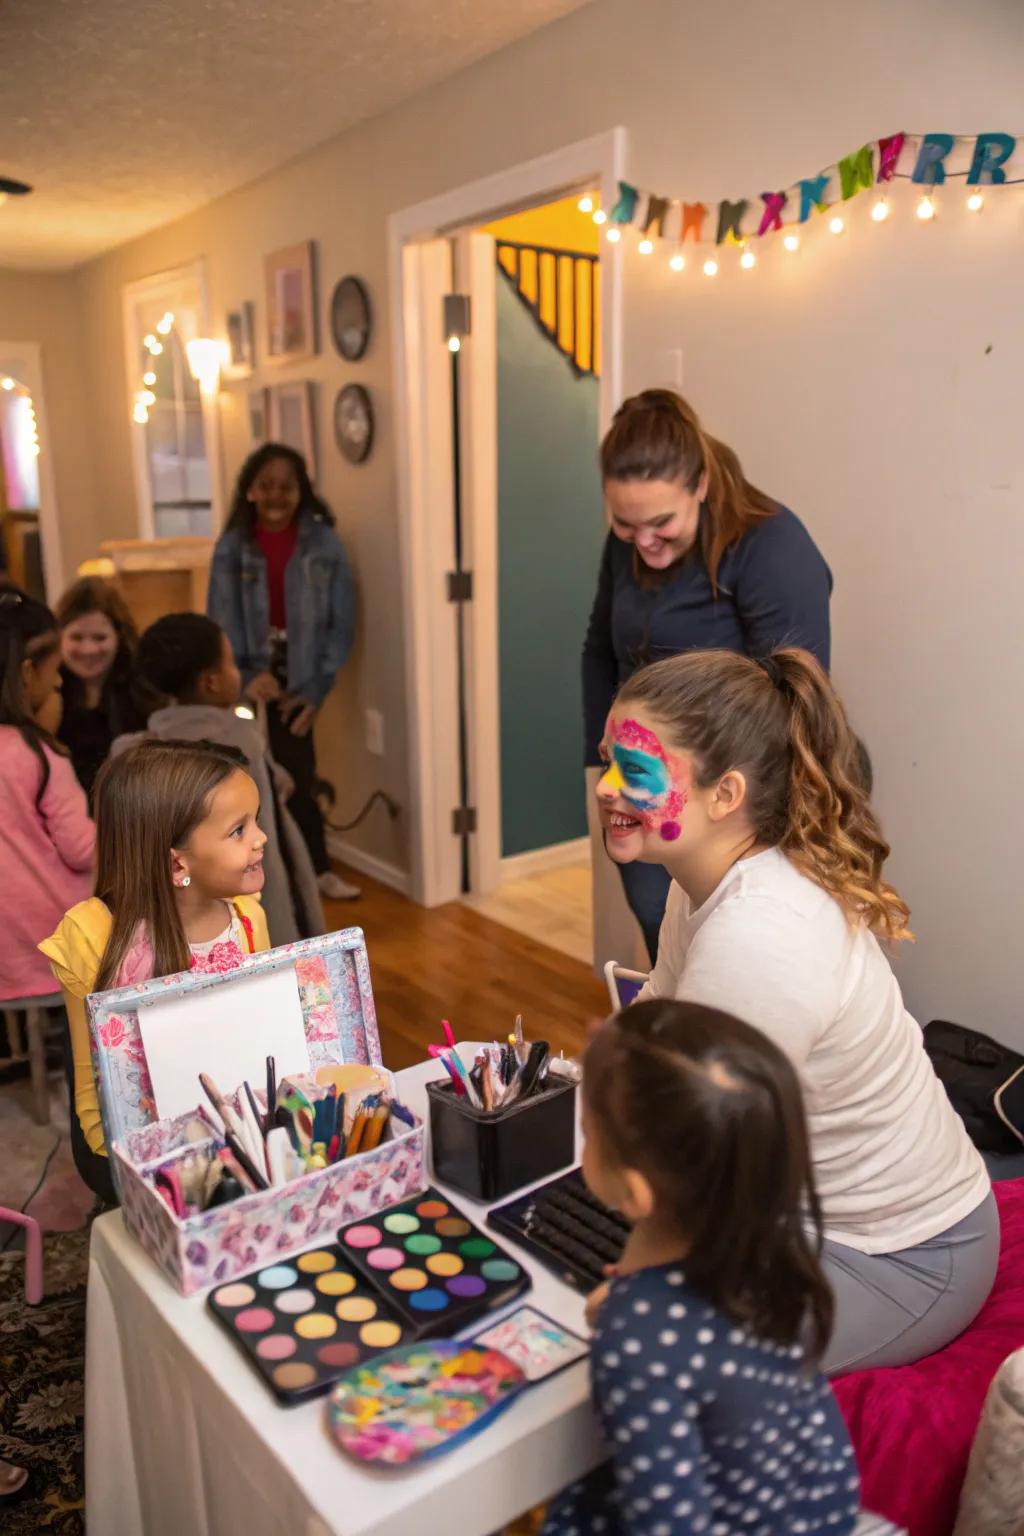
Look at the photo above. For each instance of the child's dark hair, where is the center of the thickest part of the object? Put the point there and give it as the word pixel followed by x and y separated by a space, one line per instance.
pixel 175 652
pixel 243 514
pixel 780 722
pixel 28 632
pixel 710 1112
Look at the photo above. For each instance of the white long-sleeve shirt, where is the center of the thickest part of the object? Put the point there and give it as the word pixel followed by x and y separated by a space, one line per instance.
pixel 893 1163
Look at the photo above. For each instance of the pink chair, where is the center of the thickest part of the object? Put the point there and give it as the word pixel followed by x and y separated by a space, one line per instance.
pixel 33 1253
pixel 912 1425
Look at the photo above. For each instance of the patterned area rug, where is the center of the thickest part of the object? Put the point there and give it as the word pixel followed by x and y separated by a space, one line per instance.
pixel 42 1398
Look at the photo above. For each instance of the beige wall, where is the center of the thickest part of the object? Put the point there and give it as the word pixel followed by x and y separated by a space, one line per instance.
pixel 873 385
pixel 44 309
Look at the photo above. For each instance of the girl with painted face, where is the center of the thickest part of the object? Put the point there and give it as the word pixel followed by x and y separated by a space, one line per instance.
pixel 697 558
pixel 745 783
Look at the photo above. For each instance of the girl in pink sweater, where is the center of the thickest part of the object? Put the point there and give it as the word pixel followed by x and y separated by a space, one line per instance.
pixel 47 841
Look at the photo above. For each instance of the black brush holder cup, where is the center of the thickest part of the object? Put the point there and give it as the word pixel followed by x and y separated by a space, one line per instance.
pixel 488 1156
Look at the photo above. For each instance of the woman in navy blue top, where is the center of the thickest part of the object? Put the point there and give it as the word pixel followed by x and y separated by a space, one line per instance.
pixel 706 1338
pixel 697 559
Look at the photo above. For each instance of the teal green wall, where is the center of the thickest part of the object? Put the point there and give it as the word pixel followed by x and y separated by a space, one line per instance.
pixel 550 533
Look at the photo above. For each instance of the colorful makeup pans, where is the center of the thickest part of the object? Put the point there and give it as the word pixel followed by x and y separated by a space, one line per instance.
pixel 306 1321
pixel 437 1270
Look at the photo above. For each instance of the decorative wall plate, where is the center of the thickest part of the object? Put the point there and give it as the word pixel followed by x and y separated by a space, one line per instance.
pixel 353 423
pixel 350 319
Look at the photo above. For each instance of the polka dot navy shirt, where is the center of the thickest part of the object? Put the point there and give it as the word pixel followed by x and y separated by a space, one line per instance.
pixel 710 1429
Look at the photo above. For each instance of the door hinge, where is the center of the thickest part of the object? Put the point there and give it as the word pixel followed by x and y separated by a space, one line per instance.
pixel 457 315
pixel 464 820
pixel 460 586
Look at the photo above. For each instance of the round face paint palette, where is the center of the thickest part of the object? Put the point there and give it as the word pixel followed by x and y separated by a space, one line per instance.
pixel 437 1270
pixel 307 1320
pixel 421 1400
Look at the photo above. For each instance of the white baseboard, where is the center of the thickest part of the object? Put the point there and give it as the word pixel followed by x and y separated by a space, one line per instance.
pixel 520 866
pixel 368 863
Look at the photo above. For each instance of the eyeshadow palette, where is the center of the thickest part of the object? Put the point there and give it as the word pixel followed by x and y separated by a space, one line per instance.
pixel 438 1271
pixel 306 1321
pixel 567 1228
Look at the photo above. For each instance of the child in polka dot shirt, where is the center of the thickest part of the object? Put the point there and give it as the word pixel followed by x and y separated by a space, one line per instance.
pixel 705 1336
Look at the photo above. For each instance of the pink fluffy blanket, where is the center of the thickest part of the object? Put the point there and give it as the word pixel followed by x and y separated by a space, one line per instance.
pixel 912 1425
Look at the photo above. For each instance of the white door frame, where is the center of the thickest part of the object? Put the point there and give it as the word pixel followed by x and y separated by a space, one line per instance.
pixel 23 361
pixel 173 290
pixel 425 516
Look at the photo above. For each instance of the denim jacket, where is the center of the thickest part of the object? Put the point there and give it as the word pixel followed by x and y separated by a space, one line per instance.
pixel 320 604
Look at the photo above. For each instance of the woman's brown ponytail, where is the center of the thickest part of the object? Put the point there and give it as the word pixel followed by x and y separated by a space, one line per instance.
pixel 832 833
pixel 781 724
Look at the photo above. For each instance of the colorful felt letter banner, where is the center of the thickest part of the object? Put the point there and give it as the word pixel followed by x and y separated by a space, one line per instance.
pixel 929 159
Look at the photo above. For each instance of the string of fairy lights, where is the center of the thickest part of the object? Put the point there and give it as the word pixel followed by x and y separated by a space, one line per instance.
pixel 12 387
pixel 925 210
pixel 873 169
pixel 153 344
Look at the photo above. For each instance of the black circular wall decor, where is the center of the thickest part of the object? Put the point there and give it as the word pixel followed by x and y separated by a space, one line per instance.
pixel 353 423
pixel 350 318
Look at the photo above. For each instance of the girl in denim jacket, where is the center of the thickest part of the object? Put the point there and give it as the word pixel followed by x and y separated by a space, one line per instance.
pixel 281 586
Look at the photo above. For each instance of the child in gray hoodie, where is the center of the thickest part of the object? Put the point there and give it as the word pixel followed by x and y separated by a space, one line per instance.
pixel 188 659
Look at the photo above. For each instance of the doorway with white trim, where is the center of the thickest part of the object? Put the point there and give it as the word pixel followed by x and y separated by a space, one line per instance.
pixel 474 580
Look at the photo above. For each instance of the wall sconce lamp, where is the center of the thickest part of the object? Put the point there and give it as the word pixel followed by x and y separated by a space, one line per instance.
pixel 206 358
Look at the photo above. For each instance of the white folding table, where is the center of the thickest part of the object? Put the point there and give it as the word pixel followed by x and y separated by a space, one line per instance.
pixel 181 1435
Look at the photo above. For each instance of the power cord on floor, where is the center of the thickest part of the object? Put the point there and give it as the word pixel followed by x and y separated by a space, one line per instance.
pixel 325 791
pixel 23 1210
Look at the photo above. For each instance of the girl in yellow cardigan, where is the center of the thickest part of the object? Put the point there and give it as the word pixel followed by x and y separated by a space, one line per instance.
pixel 179 869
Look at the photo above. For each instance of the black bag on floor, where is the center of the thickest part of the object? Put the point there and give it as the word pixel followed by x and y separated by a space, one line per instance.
pixel 984 1081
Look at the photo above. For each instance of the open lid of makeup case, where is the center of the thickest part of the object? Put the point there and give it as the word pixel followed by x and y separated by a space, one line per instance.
pixel 339 1018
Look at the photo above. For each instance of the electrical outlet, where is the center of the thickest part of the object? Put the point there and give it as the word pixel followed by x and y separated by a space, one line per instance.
pixel 375 732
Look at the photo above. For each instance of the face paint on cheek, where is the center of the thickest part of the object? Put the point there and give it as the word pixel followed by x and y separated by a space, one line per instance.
pixel 655 782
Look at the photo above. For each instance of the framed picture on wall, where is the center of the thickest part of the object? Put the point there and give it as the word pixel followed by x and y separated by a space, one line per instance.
pixel 259 416
pixel 291 303
pixel 241 343
pixel 291 420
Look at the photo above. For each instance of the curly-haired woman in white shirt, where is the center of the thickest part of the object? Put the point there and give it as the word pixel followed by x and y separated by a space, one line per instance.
pixel 745 781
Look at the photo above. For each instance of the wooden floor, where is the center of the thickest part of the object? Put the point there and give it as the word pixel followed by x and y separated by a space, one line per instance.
pixel 555 908
pixel 453 963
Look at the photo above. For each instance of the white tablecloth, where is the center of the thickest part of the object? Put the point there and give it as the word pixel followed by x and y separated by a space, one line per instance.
pixel 183 1439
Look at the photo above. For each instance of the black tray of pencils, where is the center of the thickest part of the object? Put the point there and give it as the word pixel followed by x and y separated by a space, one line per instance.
pixel 488 1154
pixel 567 1227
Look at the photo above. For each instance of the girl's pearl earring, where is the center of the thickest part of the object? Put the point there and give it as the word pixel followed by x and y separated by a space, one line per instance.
pixel 185 880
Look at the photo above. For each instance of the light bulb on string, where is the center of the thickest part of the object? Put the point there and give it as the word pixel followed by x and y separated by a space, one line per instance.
pixel 975 202
pixel 150 341
pixel 836 225
pixel 711 267
pixel 880 210
pixel 614 235
pixel 454 344
pixel 147 397
pixel 586 203
pixel 926 208
pixel 140 414
pixel 149 378
pixel 748 260
pixel 156 348
pixel 600 217
pixel 645 247
pixel 791 241
pixel 7 384
pixel 165 324
pixel 677 262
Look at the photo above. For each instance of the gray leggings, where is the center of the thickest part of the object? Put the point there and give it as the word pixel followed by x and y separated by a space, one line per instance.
pixel 894 1308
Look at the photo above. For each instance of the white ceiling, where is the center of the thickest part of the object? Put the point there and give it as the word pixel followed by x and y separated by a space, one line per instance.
pixel 126 114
